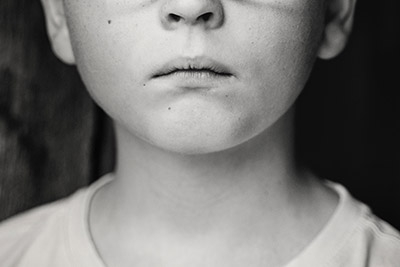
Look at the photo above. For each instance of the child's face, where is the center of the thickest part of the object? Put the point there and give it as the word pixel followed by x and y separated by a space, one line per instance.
pixel 267 48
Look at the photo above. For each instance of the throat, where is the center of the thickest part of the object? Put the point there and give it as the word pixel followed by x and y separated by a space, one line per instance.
pixel 192 207
pixel 238 229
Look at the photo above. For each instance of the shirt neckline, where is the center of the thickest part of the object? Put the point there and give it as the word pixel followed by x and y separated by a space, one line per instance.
pixel 333 236
pixel 81 246
pixel 320 250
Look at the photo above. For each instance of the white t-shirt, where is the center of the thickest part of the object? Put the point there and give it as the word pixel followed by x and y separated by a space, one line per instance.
pixel 57 235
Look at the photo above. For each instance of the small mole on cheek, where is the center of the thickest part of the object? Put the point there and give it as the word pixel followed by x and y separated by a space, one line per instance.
pixel 109 21
pixel 226 95
pixel 144 84
pixel 169 108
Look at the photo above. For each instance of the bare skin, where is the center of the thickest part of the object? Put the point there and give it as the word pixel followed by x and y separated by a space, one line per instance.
pixel 248 206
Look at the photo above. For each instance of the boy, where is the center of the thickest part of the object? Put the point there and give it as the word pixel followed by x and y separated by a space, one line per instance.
pixel 201 93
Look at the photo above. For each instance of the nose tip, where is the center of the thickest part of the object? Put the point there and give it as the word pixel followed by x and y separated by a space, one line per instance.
pixel 208 13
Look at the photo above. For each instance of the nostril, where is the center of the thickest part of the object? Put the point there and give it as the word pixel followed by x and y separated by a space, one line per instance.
pixel 174 18
pixel 206 16
pixel 203 17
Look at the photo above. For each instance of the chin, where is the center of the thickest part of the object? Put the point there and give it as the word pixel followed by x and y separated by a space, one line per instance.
pixel 201 146
pixel 201 139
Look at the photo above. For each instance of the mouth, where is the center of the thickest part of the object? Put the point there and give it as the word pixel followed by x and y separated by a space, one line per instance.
pixel 198 67
pixel 194 72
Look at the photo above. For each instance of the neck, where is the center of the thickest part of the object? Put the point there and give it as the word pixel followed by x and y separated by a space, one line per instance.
pixel 249 199
pixel 197 192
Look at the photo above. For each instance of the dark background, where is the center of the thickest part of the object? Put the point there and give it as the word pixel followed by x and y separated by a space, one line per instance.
pixel 53 139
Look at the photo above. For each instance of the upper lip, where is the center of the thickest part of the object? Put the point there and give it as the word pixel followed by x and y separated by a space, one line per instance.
pixel 192 64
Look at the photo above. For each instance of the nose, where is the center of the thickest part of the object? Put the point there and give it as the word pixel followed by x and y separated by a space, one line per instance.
pixel 177 13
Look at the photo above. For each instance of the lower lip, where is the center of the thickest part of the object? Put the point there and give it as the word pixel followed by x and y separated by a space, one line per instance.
pixel 195 79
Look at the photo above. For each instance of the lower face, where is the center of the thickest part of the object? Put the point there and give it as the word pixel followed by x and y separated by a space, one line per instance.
pixel 268 46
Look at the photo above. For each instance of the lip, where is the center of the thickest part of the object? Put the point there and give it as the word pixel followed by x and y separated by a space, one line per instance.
pixel 196 72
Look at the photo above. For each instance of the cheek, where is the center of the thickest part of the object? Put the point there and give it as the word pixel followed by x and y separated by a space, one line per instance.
pixel 278 52
pixel 279 47
pixel 103 46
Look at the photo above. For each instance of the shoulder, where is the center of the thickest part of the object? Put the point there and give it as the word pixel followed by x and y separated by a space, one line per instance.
pixel 354 237
pixel 380 241
pixel 56 234
pixel 369 242
pixel 25 239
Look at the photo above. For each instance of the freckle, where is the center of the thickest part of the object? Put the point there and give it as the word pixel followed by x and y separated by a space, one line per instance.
pixel 109 22
pixel 226 95
pixel 169 108
pixel 144 84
